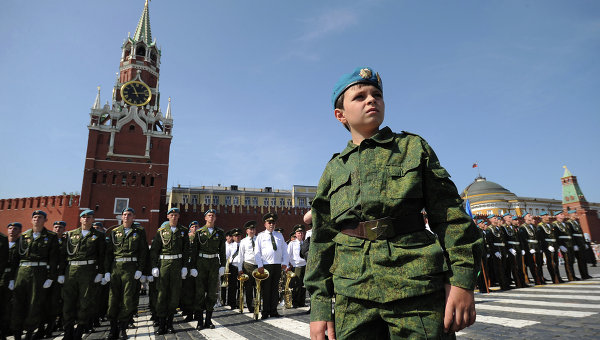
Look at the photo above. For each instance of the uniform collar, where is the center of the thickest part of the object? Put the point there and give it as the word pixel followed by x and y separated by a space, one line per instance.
pixel 382 136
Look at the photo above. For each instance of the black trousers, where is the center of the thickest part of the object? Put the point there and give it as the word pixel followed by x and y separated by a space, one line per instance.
pixel 270 289
pixel 250 285
pixel 233 287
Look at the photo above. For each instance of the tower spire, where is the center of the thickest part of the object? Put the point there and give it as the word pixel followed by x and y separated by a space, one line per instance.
pixel 570 188
pixel 97 101
pixel 142 31
pixel 168 115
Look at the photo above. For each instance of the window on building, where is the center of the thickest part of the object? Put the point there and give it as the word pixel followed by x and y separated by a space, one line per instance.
pixel 282 202
pixel 266 202
pixel 133 179
pixel 236 200
pixel 114 179
pixel 273 201
pixel 123 179
pixel 151 181
pixel 104 177
pixel 289 202
pixel 207 199
pixel 185 199
pixel 143 180
pixel 120 204
pixel 302 201
pixel 131 128
pixel 194 199
pixel 254 201
pixel 94 177
pixel 228 200
pixel 215 200
pixel 247 201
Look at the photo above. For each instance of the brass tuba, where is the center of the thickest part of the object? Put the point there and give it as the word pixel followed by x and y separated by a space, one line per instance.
pixel 258 277
pixel 242 278
pixel 288 291
pixel 225 277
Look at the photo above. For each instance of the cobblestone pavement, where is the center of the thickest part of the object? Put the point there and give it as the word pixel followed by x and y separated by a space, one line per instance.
pixel 563 311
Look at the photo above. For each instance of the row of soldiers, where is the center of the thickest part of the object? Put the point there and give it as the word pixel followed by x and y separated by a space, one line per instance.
pixel 514 252
pixel 86 273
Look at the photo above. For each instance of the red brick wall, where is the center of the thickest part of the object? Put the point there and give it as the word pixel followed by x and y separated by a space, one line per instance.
pixel 59 208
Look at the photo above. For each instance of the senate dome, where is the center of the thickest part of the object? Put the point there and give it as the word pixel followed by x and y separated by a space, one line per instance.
pixel 482 190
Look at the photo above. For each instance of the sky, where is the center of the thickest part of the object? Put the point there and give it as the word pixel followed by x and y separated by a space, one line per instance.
pixel 511 85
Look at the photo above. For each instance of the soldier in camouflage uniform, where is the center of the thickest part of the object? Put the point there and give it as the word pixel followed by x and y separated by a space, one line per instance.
pixel 126 254
pixel 370 248
pixel 37 253
pixel 565 241
pixel 498 251
pixel 533 251
pixel 547 239
pixel 188 285
pixel 169 254
pixel 84 249
pixel 579 244
pixel 4 280
pixel 7 276
pixel 54 302
pixel 208 264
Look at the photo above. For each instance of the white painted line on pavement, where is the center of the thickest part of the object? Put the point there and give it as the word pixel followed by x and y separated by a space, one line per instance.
pixel 514 323
pixel 541 303
pixel 536 311
pixel 287 324
pixel 219 333
pixel 569 297
pixel 565 290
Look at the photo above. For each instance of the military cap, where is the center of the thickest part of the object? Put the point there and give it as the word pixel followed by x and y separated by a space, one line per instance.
pixel 210 211
pixel 360 75
pixel 279 229
pixel 479 221
pixel 506 214
pixel 86 212
pixel 63 223
pixel 556 213
pixel 572 211
pixel 250 225
pixel 270 217
pixel 98 224
pixel 173 210
pixel 194 223
pixel 235 232
pixel 544 213
pixel 491 216
pixel 292 234
pixel 228 233
pixel 128 209
pixel 15 224
pixel 525 214
pixel 515 217
pixel 39 212
pixel 298 227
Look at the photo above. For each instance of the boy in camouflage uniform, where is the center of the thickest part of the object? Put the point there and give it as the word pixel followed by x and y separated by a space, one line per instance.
pixel 370 250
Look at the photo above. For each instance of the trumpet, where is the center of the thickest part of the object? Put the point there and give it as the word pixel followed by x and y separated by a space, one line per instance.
pixel 289 275
pixel 258 277
pixel 242 278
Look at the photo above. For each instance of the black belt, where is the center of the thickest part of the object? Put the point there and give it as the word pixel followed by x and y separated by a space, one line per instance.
pixel 386 228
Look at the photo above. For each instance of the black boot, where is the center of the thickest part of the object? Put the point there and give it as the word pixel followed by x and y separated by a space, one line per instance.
pixel 160 330
pixel 208 323
pixel 199 317
pixel 78 333
pixel 169 327
pixel 18 334
pixel 114 331
pixel 189 317
pixel 50 329
pixel 123 330
pixel 68 332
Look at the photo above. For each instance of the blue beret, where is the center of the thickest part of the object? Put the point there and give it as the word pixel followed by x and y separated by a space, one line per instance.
pixel 15 224
pixel 361 75
pixel 525 214
pixel 173 210
pixel 491 216
pixel 506 214
pixel 515 217
pixel 210 211
pixel 557 213
pixel 128 209
pixel 63 223
pixel 479 221
pixel 39 212
pixel 572 211
pixel 544 213
pixel 194 223
pixel 86 212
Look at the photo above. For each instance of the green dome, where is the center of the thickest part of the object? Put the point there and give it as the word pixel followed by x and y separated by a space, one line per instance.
pixel 484 190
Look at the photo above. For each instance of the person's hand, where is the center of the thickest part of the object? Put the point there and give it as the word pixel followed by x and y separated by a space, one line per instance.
pixel 194 272
pixel 284 267
pixel 522 252
pixel 98 278
pixel 150 278
pixel 137 275
pixel 60 279
pixel 563 249
pixel 460 309
pixel 221 271
pixel 11 285
pixel 184 273
pixel 318 328
pixel 103 282
pixel 498 255
pixel 576 248
pixel 47 283
pixel 261 270
pixel 531 251
pixel 307 218
pixel 513 252
pixel 155 272
pixel 551 249
pixel 107 277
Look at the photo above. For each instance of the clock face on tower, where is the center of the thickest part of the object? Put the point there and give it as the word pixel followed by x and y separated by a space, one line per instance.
pixel 136 93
